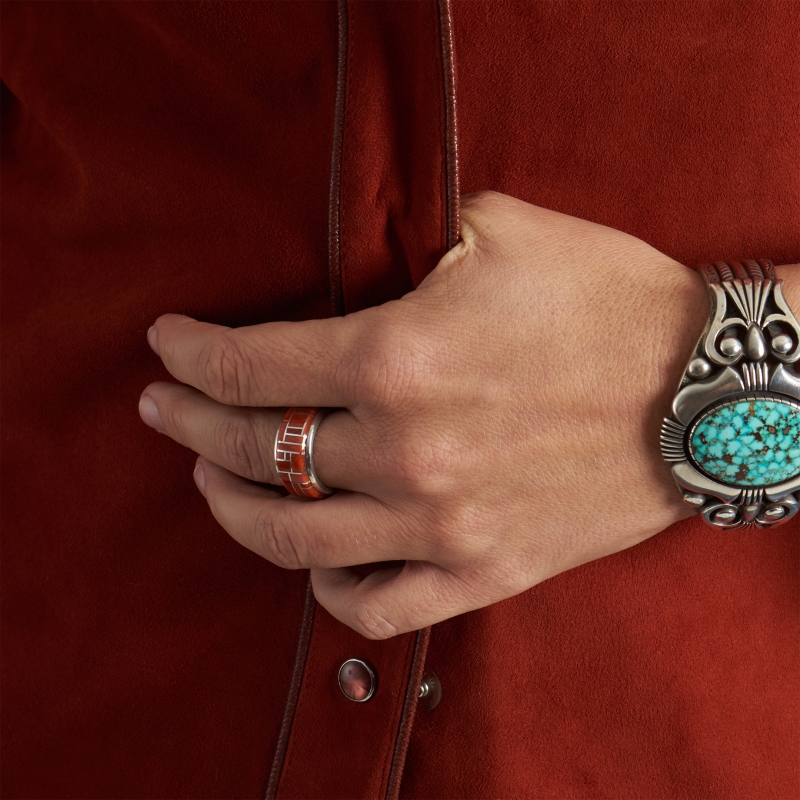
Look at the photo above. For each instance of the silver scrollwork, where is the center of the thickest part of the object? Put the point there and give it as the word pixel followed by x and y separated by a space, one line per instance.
pixel 786 318
pixel 746 353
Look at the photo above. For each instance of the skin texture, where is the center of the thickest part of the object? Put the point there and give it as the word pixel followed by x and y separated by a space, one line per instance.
pixel 495 427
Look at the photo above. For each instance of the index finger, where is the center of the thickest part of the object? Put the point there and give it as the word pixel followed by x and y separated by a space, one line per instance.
pixel 272 364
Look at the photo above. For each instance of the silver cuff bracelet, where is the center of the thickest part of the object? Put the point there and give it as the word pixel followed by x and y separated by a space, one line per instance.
pixel 733 437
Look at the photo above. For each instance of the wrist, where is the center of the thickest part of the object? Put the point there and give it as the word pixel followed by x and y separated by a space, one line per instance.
pixel 680 312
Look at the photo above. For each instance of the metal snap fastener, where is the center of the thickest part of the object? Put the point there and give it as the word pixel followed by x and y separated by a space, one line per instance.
pixel 430 690
pixel 357 680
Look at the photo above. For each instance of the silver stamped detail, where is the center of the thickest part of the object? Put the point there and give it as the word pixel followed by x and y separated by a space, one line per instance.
pixel 692 399
pixel 754 344
pixel 693 480
pixel 785 381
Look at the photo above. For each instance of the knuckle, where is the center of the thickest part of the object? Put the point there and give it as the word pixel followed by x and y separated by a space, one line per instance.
pixel 173 416
pixel 458 527
pixel 481 197
pixel 517 578
pixel 443 529
pixel 238 442
pixel 224 369
pixel 477 212
pixel 421 463
pixel 277 541
pixel 392 365
pixel 372 622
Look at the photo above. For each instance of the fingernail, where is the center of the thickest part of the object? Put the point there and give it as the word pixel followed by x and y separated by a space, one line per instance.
pixel 149 413
pixel 200 478
pixel 152 339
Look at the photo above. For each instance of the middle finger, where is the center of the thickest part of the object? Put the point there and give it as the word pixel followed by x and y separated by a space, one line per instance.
pixel 242 439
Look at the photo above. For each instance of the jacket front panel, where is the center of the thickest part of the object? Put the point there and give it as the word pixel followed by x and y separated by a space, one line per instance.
pixel 175 157
pixel 157 157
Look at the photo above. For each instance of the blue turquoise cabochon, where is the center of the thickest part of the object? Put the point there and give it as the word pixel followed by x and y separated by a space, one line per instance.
pixel 749 442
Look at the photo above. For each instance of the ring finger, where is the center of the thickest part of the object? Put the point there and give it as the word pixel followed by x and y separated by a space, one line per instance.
pixel 242 439
pixel 346 529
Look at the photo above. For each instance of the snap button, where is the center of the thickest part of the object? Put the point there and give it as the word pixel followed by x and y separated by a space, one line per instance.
pixel 357 680
pixel 430 691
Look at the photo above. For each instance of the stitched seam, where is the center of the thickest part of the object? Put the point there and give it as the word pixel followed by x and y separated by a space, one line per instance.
pixel 335 202
pixel 451 122
pixel 391 764
pixel 302 702
pixel 349 10
pixel 295 689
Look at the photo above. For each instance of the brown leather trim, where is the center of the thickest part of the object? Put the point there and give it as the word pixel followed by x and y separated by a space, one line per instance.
pixel 337 307
pixel 453 198
pixel 451 128
pixel 422 638
pixel 334 205
pixel 409 709
pixel 294 691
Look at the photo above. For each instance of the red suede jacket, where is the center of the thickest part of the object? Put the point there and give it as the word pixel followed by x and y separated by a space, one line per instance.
pixel 243 162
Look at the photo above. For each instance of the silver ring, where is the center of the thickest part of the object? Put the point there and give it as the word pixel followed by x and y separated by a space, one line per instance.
pixel 294 448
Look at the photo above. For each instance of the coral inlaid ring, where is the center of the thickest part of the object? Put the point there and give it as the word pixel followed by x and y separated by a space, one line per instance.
pixel 294 447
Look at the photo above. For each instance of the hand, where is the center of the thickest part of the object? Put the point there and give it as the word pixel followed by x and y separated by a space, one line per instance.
pixel 495 427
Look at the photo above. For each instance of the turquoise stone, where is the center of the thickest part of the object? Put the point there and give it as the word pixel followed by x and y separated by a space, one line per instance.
pixel 749 442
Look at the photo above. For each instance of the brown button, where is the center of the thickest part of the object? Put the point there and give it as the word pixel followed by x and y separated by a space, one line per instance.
pixel 357 680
